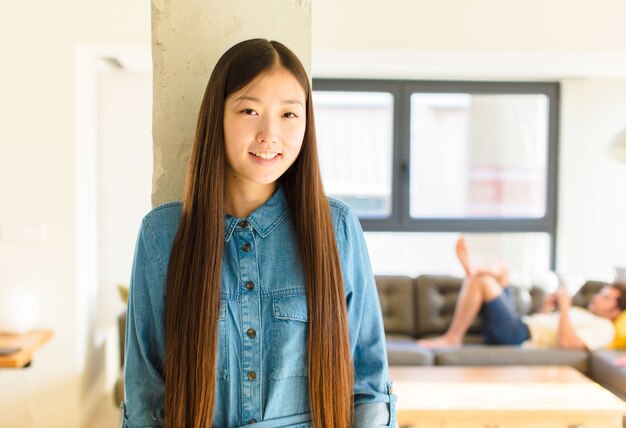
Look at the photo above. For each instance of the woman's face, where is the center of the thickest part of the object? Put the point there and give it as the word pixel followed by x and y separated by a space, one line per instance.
pixel 264 124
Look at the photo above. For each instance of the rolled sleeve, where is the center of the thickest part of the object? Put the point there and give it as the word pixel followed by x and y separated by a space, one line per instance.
pixel 374 403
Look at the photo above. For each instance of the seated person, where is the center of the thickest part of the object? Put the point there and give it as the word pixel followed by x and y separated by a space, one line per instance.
pixel 557 325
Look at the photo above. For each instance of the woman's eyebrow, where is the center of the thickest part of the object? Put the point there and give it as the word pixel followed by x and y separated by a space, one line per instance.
pixel 293 102
pixel 247 97
pixel 257 100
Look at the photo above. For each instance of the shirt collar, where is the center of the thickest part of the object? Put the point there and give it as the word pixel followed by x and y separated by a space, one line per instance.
pixel 264 219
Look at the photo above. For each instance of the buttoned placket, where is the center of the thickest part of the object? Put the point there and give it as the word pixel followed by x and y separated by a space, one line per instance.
pixel 250 314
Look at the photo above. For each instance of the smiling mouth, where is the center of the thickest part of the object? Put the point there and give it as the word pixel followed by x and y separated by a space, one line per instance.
pixel 265 155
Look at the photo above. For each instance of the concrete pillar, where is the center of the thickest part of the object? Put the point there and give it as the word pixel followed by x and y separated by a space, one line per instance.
pixel 187 40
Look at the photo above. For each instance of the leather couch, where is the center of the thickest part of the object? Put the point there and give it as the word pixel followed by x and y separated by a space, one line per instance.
pixel 422 307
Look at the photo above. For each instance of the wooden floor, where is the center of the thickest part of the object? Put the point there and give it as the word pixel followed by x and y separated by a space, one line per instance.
pixel 107 415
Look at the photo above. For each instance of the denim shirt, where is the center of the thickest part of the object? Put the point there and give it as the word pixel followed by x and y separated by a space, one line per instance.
pixel 262 337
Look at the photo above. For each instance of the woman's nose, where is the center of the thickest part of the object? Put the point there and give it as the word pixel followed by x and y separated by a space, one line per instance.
pixel 267 130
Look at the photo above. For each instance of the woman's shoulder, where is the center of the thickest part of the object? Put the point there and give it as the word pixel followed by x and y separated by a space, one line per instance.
pixel 161 223
pixel 343 216
pixel 338 208
pixel 166 212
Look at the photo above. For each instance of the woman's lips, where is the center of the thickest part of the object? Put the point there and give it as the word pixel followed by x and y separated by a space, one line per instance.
pixel 265 159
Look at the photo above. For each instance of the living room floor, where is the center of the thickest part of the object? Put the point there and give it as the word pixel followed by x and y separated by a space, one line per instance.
pixel 106 416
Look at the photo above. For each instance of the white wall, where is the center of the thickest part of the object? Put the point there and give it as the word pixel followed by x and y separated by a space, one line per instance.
pixel 592 201
pixel 124 186
pixel 38 41
pixel 124 178
pixel 485 39
pixel 577 42
pixel 479 25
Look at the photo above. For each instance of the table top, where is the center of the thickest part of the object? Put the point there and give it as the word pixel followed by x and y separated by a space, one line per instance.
pixel 28 342
pixel 508 388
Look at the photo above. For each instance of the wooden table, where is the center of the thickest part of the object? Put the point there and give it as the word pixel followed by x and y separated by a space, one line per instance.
pixel 502 397
pixel 28 343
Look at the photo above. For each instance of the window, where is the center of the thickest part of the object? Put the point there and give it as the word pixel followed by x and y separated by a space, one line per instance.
pixel 417 158
pixel 357 125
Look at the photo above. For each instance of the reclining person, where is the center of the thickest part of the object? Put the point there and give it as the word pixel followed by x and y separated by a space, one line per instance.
pixel 556 325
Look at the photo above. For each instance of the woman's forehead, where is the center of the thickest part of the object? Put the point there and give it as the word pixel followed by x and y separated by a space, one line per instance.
pixel 274 81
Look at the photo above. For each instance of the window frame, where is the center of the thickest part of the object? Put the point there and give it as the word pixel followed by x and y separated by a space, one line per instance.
pixel 400 219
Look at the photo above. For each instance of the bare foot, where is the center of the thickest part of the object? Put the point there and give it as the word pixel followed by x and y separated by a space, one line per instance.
pixel 439 342
pixel 462 252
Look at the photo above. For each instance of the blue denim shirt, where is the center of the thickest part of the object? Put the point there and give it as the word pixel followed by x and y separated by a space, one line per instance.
pixel 262 289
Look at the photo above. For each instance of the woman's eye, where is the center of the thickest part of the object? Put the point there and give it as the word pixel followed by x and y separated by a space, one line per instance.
pixel 290 114
pixel 248 111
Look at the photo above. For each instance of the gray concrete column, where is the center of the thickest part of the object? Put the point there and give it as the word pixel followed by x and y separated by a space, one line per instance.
pixel 187 40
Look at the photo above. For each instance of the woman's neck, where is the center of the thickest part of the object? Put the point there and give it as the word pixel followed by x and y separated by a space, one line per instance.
pixel 241 201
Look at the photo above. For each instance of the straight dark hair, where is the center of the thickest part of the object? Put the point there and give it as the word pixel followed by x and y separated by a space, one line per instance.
pixel 195 265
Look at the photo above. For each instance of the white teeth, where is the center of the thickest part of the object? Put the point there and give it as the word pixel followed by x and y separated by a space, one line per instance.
pixel 266 156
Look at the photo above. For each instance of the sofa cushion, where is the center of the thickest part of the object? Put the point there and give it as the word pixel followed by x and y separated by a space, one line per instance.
pixel 397 303
pixel 605 372
pixel 406 353
pixel 436 298
pixel 494 355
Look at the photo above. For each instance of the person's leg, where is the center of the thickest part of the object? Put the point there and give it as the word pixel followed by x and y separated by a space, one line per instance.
pixel 476 290
pixel 462 253
pixel 496 269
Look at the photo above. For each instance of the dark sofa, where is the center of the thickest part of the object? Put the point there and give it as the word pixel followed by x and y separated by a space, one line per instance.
pixel 421 307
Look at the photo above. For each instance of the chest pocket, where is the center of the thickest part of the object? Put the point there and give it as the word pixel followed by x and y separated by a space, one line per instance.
pixel 222 342
pixel 289 356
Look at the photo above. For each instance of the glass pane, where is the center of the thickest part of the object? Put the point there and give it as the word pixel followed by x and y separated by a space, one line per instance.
pixel 355 142
pixel 478 155
pixel 527 255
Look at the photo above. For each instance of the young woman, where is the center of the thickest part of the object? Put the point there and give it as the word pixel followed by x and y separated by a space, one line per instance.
pixel 253 300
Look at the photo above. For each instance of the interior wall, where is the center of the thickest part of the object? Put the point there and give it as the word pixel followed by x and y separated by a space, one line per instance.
pixel 39 41
pixel 592 206
pixel 124 184
pixel 125 179
pixel 476 26
pixel 483 39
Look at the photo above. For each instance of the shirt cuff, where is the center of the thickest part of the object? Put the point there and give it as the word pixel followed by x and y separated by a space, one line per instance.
pixel 377 414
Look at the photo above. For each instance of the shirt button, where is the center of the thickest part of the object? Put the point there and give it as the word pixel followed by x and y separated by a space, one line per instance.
pixel 250 285
pixel 251 333
pixel 251 375
pixel 243 224
pixel 251 421
pixel 246 247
